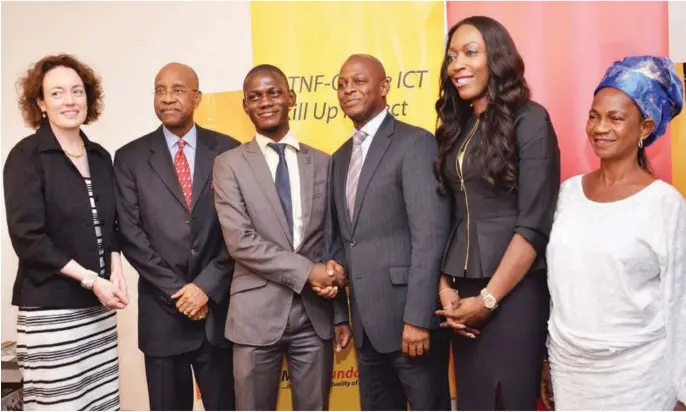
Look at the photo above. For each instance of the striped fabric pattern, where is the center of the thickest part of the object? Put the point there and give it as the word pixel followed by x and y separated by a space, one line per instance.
pixel 97 225
pixel 68 358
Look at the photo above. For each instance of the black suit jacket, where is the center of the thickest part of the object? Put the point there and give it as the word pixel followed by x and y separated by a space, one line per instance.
pixel 392 248
pixel 170 247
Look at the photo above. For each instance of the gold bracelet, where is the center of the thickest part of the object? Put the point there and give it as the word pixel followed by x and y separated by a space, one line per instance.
pixel 444 289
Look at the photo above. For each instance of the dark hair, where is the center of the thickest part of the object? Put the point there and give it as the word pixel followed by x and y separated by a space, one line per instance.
pixel 643 162
pixel 265 68
pixel 31 88
pixel 507 92
pixel 642 157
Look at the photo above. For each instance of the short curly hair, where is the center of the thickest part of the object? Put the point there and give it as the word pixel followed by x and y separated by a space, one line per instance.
pixel 31 88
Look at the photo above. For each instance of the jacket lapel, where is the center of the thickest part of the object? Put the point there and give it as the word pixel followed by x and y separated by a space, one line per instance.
pixel 162 163
pixel 260 169
pixel 341 181
pixel 378 148
pixel 306 171
pixel 204 161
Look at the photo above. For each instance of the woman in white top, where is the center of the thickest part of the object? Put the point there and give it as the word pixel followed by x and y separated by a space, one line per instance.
pixel 617 257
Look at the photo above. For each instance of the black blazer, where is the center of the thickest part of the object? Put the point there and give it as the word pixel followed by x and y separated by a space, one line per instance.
pixel 50 220
pixel 168 246
pixel 494 214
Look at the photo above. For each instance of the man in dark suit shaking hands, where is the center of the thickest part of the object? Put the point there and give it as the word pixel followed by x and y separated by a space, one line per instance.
pixel 171 236
pixel 394 226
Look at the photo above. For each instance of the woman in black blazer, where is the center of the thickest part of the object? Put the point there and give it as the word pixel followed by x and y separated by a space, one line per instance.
pixel 499 162
pixel 59 197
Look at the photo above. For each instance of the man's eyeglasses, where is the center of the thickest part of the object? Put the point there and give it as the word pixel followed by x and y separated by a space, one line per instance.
pixel 175 91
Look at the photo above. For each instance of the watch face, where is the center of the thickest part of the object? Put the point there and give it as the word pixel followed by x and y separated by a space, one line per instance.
pixel 489 301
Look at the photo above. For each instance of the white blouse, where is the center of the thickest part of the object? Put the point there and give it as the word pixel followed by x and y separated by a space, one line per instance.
pixel 617 279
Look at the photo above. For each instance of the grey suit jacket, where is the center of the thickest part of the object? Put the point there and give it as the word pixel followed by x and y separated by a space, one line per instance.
pixel 268 272
pixel 393 246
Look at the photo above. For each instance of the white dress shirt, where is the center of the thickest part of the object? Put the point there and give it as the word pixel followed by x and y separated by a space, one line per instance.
pixel 272 158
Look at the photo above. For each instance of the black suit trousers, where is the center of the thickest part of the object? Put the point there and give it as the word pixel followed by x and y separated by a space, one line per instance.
pixel 170 379
pixel 388 382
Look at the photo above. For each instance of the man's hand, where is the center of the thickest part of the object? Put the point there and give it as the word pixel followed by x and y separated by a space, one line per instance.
pixel 320 277
pixel 415 340
pixel 336 271
pixel 201 314
pixel 342 334
pixel 190 299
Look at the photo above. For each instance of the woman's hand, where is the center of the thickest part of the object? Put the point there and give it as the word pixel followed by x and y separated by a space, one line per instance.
pixel 109 294
pixel 117 277
pixel 546 390
pixel 450 298
pixel 470 312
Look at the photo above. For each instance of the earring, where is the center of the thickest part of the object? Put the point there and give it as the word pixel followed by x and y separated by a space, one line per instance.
pixel 44 116
pixel 640 143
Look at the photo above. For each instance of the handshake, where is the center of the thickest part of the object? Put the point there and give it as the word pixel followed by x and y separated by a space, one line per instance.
pixel 326 279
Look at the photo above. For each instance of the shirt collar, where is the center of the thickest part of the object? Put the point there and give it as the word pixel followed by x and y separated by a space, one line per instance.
pixel 191 138
pixel 373 125
pixel 48 140
pixel 289 139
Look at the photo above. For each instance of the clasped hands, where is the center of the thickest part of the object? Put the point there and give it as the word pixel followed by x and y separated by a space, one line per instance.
pixel 112 293
pixel 191 301
pixel 462 315
pixel 326 279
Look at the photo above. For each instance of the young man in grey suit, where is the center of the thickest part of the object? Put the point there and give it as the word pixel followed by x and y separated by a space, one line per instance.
pixel 171 236
pixel 394 226
pixel 271 197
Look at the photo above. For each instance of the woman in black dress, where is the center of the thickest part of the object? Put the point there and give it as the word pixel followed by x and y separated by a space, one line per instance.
pixel 499 162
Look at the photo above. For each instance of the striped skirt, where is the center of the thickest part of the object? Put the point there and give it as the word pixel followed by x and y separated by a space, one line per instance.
pixel 68 358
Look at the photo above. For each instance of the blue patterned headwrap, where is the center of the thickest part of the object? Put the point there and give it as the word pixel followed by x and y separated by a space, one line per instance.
pixel 652 83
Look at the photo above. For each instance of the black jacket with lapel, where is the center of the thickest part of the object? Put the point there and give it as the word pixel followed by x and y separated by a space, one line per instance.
pixel 169 245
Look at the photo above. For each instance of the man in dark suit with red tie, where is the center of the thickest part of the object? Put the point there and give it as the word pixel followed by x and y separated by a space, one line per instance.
pixel 171 236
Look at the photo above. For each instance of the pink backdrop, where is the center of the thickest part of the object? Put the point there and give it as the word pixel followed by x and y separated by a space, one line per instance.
pixel 567 46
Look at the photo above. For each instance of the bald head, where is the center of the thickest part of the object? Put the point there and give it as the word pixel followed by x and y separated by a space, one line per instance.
pixel 181 71
pixel 362 88
pixel 373 64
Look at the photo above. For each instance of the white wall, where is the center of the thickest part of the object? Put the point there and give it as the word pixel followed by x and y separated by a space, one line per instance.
pixel 126 43
pixel 677 31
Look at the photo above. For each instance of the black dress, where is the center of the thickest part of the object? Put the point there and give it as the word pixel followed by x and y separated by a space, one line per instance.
pixel 505 359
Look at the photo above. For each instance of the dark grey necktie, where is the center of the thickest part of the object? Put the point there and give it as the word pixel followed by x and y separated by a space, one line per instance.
pixel 283 183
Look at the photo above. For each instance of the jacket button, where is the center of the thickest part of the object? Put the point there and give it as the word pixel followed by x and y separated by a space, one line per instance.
pixel 194 252
pixel 188 222
pixel 353 243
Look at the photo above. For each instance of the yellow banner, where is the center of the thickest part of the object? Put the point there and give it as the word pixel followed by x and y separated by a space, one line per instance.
pixel 310 41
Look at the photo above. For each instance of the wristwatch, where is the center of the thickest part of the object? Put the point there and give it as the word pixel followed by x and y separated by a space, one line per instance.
pixel 88 280
pixel 489 300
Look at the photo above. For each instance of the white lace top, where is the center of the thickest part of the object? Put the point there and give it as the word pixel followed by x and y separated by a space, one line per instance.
pixel 617 279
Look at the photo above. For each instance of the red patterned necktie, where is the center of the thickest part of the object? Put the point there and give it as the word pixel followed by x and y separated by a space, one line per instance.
pixel 183 172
